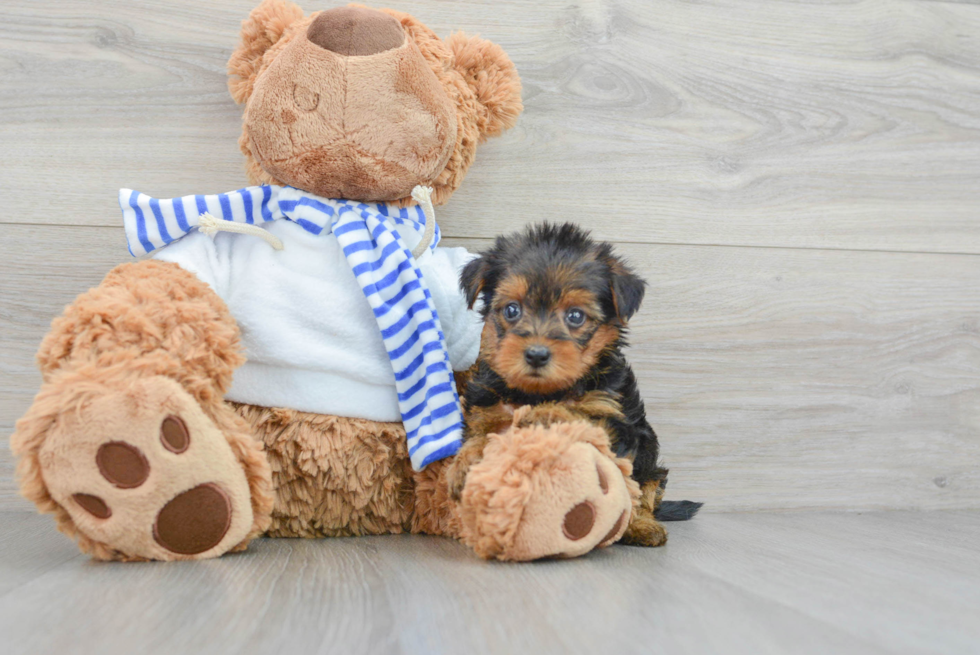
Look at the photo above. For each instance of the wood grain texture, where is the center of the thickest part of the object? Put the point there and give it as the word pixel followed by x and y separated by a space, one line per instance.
pixel 896 582
pixel 736 150
pixel 794 179
pixel 776 378
pixel 852 124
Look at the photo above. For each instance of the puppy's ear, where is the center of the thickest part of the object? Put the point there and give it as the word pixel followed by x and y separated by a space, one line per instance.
pixel 627 289
pixel 260 31
pixel 490 73
pixel 473 278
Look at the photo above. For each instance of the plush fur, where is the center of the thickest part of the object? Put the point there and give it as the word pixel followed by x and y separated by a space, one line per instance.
pixel 420 111
pixel 533 461
pixel 334 477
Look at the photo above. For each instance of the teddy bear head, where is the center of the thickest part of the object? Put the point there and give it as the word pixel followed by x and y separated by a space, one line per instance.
pixel 365 104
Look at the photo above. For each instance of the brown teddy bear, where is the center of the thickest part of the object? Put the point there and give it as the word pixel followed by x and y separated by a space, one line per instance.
pixel 152 438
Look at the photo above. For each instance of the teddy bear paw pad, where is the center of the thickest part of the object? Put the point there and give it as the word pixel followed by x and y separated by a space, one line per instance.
pixel 194 521
pixel 147 473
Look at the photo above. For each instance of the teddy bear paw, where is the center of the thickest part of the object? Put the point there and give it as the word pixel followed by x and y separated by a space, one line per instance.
pixel 147 474
pixel 584 505
pixel 545 492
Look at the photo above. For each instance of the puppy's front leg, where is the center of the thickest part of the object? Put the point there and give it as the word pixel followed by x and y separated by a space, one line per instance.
pixel 644 529
pixel 594 407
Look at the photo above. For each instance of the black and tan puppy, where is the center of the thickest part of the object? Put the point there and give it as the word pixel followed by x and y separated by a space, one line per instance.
pixel 556 305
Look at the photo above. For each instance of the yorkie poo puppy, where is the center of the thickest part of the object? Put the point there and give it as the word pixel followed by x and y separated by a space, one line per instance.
pixel 556 304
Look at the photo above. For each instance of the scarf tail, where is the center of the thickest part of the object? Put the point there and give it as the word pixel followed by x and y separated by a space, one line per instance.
pixel 410 328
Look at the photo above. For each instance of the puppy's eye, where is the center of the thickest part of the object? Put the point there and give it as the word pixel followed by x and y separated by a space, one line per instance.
pixel 512 311
pixel 575 317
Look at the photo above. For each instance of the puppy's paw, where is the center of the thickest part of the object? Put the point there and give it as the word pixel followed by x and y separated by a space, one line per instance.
pixel 545 415
pixel 645 530
pixel 597 405
pixel 495 419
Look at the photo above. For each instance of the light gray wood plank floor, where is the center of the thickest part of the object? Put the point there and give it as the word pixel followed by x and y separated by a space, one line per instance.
pixel 888 582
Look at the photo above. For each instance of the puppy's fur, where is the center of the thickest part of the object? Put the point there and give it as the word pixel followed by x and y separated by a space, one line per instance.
pixel 556 305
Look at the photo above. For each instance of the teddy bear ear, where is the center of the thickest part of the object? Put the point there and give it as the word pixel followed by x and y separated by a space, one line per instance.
pixel 260 31
pixel 491 75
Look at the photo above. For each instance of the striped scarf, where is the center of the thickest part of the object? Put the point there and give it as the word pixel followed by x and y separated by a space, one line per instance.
pixel 385 270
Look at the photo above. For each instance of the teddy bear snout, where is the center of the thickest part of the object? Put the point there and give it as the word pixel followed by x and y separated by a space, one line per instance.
pixel 355 31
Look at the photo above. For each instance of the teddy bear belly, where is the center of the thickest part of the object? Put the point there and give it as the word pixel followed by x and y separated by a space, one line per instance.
pixel 334 476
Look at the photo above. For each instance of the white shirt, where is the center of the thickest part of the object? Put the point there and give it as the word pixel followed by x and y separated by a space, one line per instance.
pixel 310 338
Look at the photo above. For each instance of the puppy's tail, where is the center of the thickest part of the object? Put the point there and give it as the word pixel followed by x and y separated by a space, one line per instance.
pixel 677 510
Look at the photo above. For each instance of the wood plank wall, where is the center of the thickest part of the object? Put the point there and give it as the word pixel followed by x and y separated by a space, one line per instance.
pixel 799 181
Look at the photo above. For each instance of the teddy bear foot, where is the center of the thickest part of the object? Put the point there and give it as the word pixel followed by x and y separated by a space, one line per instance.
pixel 141 471
pixel 546 492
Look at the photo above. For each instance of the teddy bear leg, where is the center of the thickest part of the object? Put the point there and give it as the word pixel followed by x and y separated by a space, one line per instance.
pixel 334 476
pixel 128 442
pixel 554 491
pixel 435 511
pixel 134 469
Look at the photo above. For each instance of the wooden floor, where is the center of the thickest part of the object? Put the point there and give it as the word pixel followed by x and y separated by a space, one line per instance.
pixel 787 582
pixel 799 182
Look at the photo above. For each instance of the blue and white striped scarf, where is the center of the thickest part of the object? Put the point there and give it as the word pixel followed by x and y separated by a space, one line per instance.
pixel 385 270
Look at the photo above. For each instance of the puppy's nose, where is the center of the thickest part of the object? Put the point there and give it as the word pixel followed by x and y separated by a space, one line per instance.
pixel 355 31
pixel 537 356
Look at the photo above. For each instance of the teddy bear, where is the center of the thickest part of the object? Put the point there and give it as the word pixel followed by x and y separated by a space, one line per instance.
pixel 287 359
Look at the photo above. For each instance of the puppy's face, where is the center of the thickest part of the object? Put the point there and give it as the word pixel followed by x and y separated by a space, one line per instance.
pixel 545 329
pixel 553 301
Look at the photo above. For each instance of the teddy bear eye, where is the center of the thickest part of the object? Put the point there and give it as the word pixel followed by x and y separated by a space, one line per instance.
pixel 512 311
pixel 575 317
pixel 306 99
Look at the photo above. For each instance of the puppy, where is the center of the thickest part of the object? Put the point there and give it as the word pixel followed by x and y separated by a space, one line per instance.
pixel 556 305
